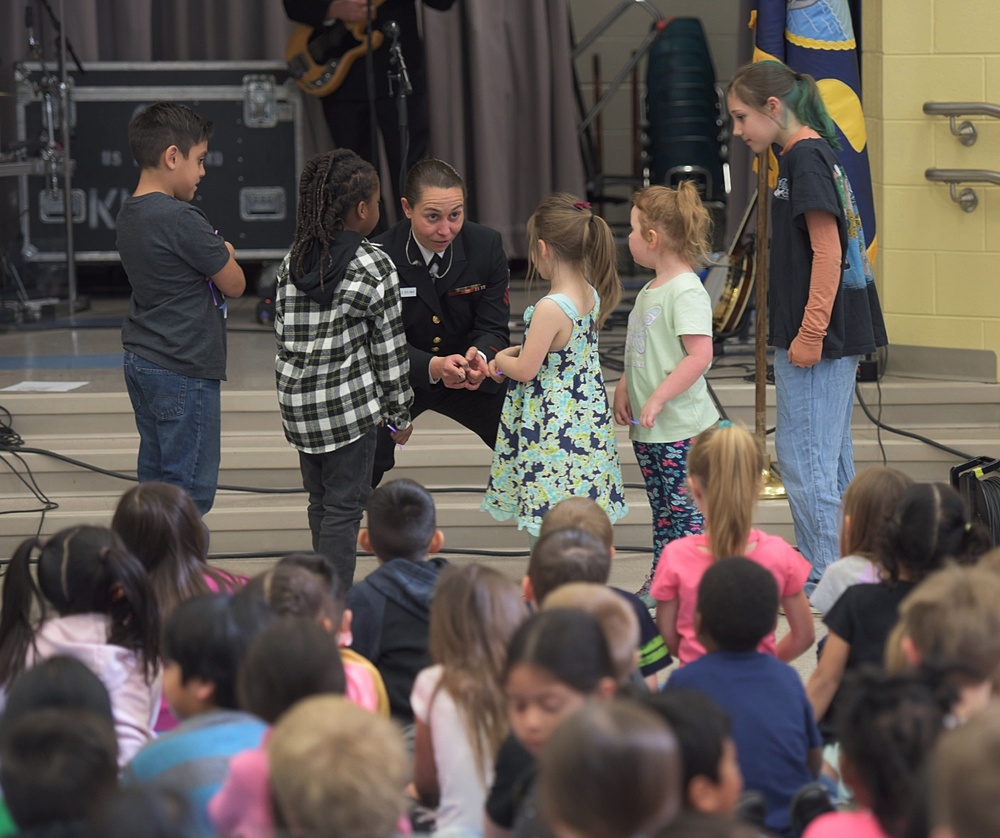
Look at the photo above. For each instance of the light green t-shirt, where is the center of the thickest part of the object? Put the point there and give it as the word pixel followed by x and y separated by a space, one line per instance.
pixel 653 349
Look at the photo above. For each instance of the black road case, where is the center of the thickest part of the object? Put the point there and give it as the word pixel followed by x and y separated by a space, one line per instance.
pixel 252 170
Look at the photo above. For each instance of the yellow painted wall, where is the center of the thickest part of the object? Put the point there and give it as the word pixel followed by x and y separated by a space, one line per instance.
pixel 938 267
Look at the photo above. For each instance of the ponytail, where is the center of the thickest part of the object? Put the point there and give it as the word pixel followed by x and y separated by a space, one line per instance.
pixel 135 616
pixel 680 216
pixel 755 83
pixel 16 629
pixel 581 240
pixel 728 464
pixel 602 257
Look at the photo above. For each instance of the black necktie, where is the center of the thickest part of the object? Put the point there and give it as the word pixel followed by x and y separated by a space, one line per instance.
pixel 434 266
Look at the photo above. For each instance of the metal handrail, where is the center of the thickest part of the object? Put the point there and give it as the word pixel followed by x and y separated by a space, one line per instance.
pixel 967 199
pixel 962 109
pixel 965 131
pixel 963 176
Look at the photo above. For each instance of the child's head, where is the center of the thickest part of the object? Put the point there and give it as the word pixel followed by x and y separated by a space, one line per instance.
pixel 557 661
pixel 156 128
pixel 614 615
pixel 81 570
pixel 756 84
pixel 565 230
pixel 474 614
pixel 580 513
pixel 737 605
pixel 929 527
pixel 153 811
pixel 338 190
pixel 724 466
pixel 965 776
pixel 161 526
pixel 337 770
pixel 57 766
pixel 868 505
pixel 951 622
pixel 674 219
pixel 887 726
pixel 204 642
pixel 291 659
pixel 564 556
pixel 306 585
pixel 610 771
pixel 712 779
pixel 402 523
pixel 57 682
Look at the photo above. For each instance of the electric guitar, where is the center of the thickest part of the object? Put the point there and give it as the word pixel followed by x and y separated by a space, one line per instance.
pixel 738 285
pixel 319 58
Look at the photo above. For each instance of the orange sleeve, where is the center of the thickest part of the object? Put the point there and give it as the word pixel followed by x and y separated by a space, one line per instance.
pixel 824 282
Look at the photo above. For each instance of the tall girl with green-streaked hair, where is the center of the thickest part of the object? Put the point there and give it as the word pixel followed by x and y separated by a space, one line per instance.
pixel 823 309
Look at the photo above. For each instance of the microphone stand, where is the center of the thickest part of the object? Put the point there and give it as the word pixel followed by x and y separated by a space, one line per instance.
pixel 399 79
pixel 64 106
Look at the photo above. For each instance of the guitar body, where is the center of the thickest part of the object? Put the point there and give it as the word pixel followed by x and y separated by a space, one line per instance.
pixel 737 290
pixel 319 59
pixel 736 276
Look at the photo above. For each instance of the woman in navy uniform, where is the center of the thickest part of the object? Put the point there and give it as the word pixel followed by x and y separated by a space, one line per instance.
pixel 454 282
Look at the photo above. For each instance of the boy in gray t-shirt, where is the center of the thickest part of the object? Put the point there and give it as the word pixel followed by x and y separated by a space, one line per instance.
pixel 174 335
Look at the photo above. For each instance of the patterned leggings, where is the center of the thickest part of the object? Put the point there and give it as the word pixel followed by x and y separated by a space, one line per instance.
pixel 664 470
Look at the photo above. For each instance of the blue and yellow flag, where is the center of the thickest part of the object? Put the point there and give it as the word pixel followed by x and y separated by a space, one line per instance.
pixel 817 37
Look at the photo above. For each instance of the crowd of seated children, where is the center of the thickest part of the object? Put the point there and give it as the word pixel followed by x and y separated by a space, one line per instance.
pixel 887 728
pixel 291 659
pixel 725 474
pixel 951 622
pixel 610 771
pixel 337 770
pixel 586 515
pixel 204 642
pixel 391 606
pixel 525 725
pixel 777 743
pixel 617 622
pixel 868 505
pixel 929 529
pixel 557 662
pixel 91 601
pixel 964 778
pixel 458 701
pixel 308 585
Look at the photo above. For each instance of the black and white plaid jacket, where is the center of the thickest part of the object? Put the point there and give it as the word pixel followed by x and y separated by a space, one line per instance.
pixel 342 368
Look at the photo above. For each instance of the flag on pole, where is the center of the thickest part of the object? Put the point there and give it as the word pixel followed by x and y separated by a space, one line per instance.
pixel 817 37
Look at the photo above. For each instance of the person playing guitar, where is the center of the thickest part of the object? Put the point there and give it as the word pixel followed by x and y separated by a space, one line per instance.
pixel 340 25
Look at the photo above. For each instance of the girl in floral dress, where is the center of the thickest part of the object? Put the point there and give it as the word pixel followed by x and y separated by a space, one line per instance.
pixel 556 437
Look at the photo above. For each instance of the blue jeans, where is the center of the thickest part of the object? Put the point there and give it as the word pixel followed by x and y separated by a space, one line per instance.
pixel 814 448
pixel 178 418
pixel 339 485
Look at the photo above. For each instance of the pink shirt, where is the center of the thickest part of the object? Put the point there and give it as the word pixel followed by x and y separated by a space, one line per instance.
pixel 861 824
pixel 683 563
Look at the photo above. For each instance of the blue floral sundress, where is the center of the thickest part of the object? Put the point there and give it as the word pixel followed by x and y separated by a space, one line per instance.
pixel 557 437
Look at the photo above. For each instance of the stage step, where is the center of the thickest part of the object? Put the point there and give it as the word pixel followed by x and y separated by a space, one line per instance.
pixel 98 429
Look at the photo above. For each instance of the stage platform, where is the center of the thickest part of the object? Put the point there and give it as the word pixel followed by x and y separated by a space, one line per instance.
pixel 93 424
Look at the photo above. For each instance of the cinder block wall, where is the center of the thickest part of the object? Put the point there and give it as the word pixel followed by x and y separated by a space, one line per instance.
pixel 939 267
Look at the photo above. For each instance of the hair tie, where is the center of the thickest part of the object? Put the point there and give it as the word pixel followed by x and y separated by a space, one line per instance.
pixel 798 77
pixel 581 205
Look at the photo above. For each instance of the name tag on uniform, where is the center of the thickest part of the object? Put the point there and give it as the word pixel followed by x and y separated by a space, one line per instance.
pixel 407 292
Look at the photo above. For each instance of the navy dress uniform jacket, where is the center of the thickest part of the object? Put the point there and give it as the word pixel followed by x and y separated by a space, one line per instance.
pixel 468 306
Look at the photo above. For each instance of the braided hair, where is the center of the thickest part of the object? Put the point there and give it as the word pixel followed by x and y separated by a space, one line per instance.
pixel 331 184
